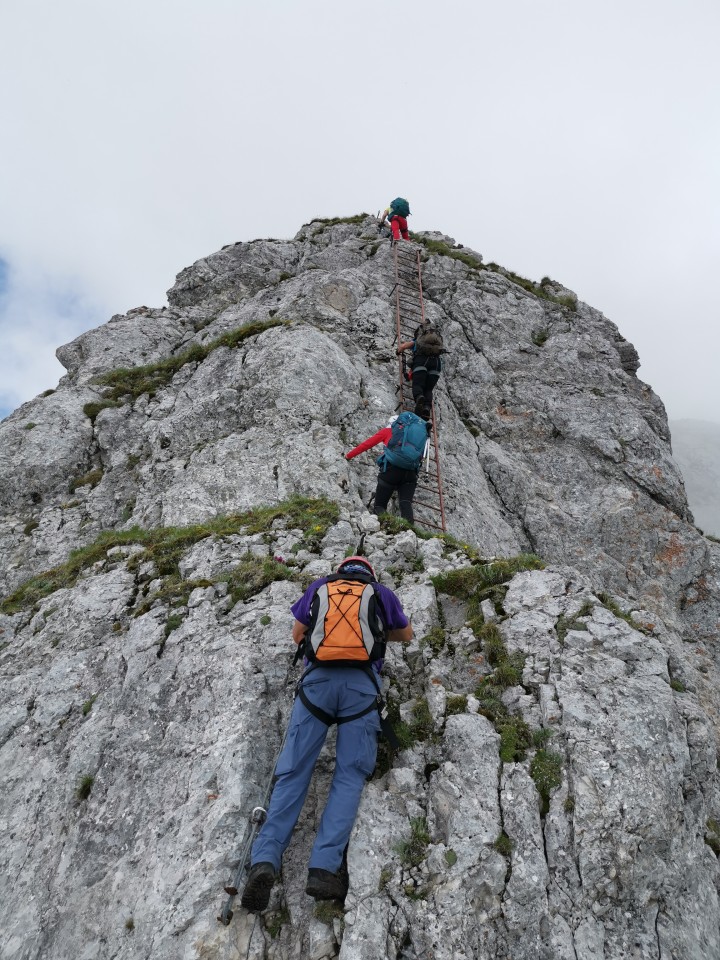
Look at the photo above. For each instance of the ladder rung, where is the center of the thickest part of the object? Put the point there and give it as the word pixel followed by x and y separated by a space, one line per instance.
pixel 428 506
pixel 426 523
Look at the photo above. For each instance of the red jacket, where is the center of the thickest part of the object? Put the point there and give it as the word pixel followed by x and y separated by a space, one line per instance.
pixel 382 436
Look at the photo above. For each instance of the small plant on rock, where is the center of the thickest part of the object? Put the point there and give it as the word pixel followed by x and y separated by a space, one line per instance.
pixel 413 851
pixel 712 837
pixel 456 704
pixel 84 787
pixel 504 844
pixel 546 771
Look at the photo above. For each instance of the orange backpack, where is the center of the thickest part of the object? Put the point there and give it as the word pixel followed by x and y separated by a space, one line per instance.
pixel 344 625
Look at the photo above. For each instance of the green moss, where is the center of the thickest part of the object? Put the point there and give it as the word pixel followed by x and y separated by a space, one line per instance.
pixel 515 738
pixel 435 640
pixel 128 510
pixel 130 924
pixel 274 922
pixel 565 624
pixel 569 805
pixel 394 525
pixel 84 787
pixel 174 591
pixel 326 911
pixel 450 857
pixel 92 409
pixel 541 737
pixel 421 726
pixel 413 851
pixel 608 602
pixel 456 704
pixel 165 546
pixel 712 837
pixel 356 219
pixel 546 771
pixel 131 383
pixel 47 393
pixel 252 575
pixel 385 878
pixel 174 621
pixel 677 685
pixel 30 526
pixel 265 620
pixel 504 844
pixel 88 705
pixel 29 426
pixel 539 337
pixel 455 253
pixel 91 479
pixel 442 249
pixel 466 582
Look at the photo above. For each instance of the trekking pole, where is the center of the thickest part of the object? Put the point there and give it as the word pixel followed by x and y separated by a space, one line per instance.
pixel 426 456
pixel 257 819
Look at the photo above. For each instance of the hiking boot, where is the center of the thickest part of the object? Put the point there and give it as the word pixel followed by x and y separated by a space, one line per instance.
pixel 324 885
pixel 256 895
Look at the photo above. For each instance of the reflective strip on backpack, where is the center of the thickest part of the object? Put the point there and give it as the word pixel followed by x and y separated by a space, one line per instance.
pixel 367 634
pixel 318 633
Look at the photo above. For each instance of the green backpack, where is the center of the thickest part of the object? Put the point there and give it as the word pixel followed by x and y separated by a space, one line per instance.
pixel 400 207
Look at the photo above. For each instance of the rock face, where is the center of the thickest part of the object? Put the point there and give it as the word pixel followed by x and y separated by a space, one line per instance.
pixel 557 796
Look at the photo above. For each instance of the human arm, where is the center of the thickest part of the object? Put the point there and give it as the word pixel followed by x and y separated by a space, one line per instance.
pixel 382 436
pixel 401 634
pixel 405 346
pixel 398 628
pixel 298 631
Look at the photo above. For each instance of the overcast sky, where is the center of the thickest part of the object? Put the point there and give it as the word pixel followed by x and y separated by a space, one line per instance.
pixel 565 138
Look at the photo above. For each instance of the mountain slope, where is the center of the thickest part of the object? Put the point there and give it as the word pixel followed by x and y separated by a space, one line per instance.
pixel 558 793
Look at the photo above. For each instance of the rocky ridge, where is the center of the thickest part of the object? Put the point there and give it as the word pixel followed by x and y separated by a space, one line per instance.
pixel 557 796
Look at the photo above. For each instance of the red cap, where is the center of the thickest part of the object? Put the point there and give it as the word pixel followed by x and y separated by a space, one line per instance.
pixel 359 560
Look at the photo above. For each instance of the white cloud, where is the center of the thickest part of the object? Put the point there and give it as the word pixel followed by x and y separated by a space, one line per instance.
pixel 38 313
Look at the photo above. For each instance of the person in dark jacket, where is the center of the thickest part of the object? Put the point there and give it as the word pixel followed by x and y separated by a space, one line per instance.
pixel 391 479
pixel 332 692
pixel 427 347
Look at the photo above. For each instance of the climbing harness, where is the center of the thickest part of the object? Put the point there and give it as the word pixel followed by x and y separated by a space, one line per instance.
pixel 409 315
pixel 377 704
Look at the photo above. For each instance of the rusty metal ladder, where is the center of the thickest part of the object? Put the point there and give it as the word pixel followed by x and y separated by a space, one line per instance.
pixel 409 315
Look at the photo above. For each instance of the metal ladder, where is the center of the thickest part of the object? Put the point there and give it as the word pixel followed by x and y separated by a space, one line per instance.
pixel 409 314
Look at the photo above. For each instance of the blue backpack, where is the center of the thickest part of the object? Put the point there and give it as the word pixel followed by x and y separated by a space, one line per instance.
pixel 401 207
pixel 406 446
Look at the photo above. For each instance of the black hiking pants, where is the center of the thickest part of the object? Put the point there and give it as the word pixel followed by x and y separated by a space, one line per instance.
pixel 426 371
pixel 390 480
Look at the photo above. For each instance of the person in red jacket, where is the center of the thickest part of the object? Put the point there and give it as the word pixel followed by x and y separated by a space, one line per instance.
pixel 391 478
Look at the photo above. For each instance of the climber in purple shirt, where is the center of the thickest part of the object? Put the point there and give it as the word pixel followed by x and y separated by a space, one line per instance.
pixel 337 687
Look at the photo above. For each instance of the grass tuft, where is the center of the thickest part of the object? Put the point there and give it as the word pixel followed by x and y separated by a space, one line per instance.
pixel 91 479
pixel 413 851
pixel 546 771
pixel 84 787
pixel 165 547
pixel 129 383
pixel 504 844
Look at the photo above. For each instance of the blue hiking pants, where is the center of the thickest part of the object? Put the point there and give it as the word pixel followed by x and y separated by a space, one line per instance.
pixel 341 692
